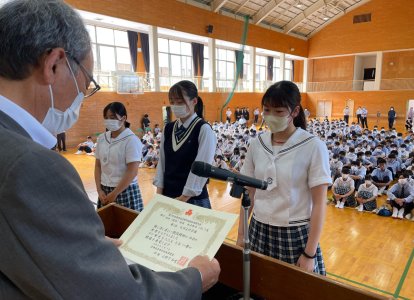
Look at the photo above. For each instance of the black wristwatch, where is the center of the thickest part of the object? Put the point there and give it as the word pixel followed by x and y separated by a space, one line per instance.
pixel 307 255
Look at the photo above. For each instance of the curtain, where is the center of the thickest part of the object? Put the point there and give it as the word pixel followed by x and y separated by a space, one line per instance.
pixel 239 62
pixel 198 58
pixel 132 41
pixel 145 50
pixel 270 68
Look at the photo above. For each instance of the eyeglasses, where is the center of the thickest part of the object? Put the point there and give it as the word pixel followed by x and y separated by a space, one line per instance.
pixel 93 85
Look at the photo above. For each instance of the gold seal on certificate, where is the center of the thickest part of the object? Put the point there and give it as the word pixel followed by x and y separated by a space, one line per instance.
pixel 168 233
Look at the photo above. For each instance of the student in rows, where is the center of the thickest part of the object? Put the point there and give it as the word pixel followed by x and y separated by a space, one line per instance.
pixel 343 189
pixel 335 167
pixel 381 176
pixel 401 195
pixel 367 195
pixel 357 173
pixel 393 165
pixel 239 164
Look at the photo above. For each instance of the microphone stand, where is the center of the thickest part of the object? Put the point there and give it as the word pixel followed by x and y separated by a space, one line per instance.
pixel 237 191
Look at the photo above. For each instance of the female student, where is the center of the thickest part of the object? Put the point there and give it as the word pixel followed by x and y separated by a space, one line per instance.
pixel 118 153
pixel 287 217
pixel 343 189
pixel 367 195
pixel 187 139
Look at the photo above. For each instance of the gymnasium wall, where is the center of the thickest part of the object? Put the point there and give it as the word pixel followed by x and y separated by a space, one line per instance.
pixel 179 16
pixel 391 28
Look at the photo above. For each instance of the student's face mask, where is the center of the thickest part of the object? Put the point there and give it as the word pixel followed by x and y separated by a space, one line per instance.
pixel 113 125
pixel 368 182
pixel 402 181
pixel 57 121
pixel 276 123
pixel 180 111
pixel 345 176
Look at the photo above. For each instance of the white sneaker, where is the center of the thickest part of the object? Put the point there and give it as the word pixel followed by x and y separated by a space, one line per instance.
pixel 337 203
pixel 90 154
pixel 141 165
pixel 341 205
pixel 78 152
pixel 152 167
pixel 394 212
pixel 408 216
pixel 400 213
pixel 361 207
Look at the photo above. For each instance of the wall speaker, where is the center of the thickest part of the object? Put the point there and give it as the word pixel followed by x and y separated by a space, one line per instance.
pixel 209 28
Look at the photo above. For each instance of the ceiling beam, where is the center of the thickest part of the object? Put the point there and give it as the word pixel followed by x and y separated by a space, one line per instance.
pixel 266 10
pixel 217 4
pixel 241 6
pixel 305 14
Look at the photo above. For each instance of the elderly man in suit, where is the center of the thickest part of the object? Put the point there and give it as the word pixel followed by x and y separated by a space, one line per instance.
pixel 53 243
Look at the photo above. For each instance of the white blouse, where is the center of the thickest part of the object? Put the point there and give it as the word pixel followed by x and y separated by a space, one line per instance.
pixel 115 153
pixel 300 164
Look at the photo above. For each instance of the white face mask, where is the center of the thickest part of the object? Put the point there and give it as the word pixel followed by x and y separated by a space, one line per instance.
pixel 180 111
pixel 57 121
pixel 276 123
pixel 113 125
pixel 345 176
pixel 368 182
pixel 402 181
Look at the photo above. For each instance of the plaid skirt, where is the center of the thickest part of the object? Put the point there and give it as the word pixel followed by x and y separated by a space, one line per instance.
pixel 350 200
pixel 370 205
pixel 130 197
pixel 283 243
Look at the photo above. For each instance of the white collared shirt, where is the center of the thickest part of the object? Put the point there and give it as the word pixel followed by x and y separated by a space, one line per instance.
pixel 37 132
pixel 115 154
pixel 300 164
pixel 206 148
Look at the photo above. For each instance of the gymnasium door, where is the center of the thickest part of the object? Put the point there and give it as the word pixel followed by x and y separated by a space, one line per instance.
pixel 324 109
pixel 350 104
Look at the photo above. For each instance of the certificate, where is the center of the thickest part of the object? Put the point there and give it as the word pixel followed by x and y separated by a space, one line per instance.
pixel 168 233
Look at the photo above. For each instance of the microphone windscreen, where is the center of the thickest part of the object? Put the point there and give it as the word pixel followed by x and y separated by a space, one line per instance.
pixel 201 169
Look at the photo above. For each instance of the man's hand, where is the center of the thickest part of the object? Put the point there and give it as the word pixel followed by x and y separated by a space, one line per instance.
pixel 209 269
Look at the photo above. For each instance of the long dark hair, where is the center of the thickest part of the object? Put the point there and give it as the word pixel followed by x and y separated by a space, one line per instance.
pixel 189 89
pixel 285 94
pixel 117 108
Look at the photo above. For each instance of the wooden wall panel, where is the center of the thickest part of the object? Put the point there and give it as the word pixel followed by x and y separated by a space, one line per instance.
pixel 331 69
pixel 391 28
pixel 398 65
pixel 175 15
pixel 298 67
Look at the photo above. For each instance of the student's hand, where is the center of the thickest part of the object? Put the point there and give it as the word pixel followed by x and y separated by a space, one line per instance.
pixel 399 201
pixel 308 264
pixel 183 198
pixel 102 196
pixel 111 197
pixel 116 242
pixel 209 269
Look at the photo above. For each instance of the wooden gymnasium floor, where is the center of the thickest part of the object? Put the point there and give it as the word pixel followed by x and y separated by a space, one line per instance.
pixel 361 249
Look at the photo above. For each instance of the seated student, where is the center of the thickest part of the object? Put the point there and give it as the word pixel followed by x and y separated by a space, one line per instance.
pixel 336 167
pixel 393 165
pixel 234 159
pixel 148 158
pixel 358 173
pixel 367 195
pixel 351 154
pixel 381 176
pixel 345 161
pixel 401 195
pixel 369 162
pixel 157 129
pixel 220 163
pixel 86 146
pixel 343 189
pixel 239 164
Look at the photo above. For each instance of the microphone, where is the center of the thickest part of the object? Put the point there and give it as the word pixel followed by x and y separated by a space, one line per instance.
pixel 203 169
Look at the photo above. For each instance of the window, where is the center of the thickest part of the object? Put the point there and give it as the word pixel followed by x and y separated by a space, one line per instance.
pixel 175 60
pixel 111 53
pixel 261 66
pixel 288 70
pixel 225 68
pixel 276 69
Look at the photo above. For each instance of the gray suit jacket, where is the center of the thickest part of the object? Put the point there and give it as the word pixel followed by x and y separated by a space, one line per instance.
pixel 52 243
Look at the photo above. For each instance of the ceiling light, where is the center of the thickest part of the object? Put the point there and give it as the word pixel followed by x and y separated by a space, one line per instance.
pixel 299 4
pixel 325 18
